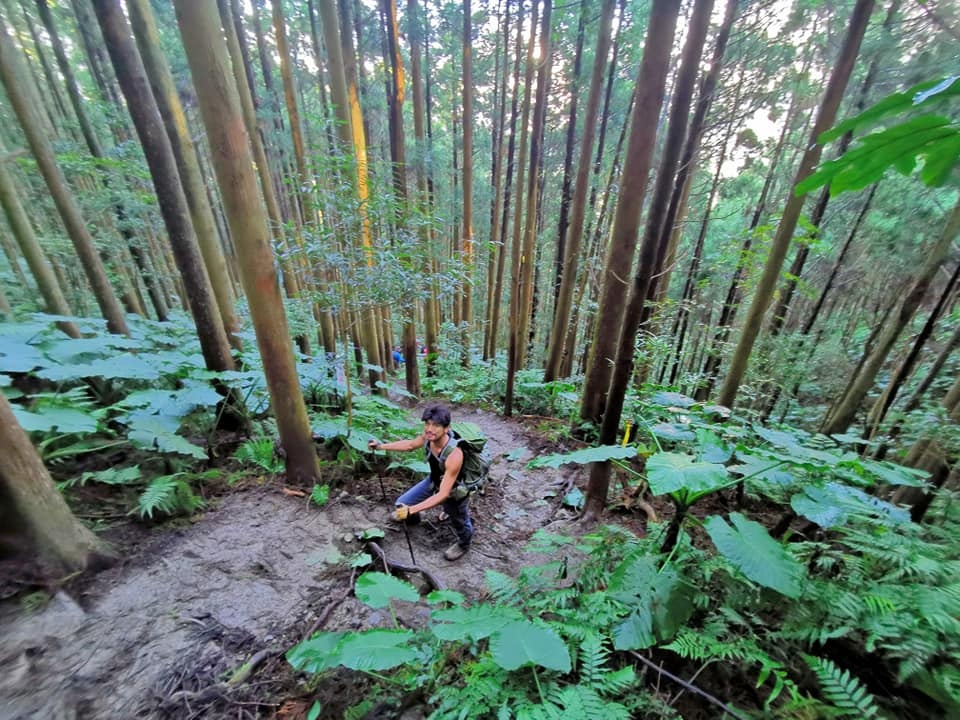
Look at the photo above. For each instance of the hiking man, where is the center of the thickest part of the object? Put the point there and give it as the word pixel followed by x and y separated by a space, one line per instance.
pixel 446 462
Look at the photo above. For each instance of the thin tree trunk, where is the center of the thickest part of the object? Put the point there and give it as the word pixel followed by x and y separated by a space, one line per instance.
pixel 467 259
pixel 525 309
pixel 845 411
pixel 513 348
pixel 566 189
pixel 882 404
pixel 54 301
pixel 503 224
pixel 24 106
pixel 568 276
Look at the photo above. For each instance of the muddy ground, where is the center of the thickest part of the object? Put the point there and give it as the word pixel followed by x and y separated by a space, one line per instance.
pixel 164 632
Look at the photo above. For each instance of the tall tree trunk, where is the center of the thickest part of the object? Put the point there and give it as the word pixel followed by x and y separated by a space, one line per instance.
pixel 882 404
pixel 223 118
pixel 791 213
pixel 399 158
pixel 603 345
pixel 662 211
pixel 54 301
pixel 168 102
pixel 430 320
pixel 53 85
pixel 73 91
pixel 574 232
pixel 468 257
pixel 565 187
pixel 304 180
pixel 239 67
pixel 24 106
pixel 513 348
pixel 633 187
pixel 503 223
pixel 54 540
pixel 166 180
pixel 845 411
pixel 525 309
pixel 814 314
pixel 355 74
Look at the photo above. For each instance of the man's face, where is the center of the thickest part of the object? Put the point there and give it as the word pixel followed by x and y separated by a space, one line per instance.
pixel 433 430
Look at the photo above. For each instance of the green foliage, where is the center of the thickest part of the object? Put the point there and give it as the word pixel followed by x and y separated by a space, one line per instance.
pixel 842 689
pixel 928 138
pixel 750 549
pixel 584 456
pixel 684 478
pixel 320 495
pixel 169 495
pixel 378 589
pixel 261 453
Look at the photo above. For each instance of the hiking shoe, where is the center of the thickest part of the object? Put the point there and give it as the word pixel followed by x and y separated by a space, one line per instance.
pixel 455 551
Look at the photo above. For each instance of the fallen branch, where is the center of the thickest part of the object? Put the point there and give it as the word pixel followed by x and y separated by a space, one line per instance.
pixel 394 566
pixel 692 688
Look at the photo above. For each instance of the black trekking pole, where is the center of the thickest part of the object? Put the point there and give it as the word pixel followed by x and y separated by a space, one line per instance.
pixel 406 533
pixel 383 492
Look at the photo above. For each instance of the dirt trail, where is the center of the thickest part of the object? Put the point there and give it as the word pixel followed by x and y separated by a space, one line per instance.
pixel 194 604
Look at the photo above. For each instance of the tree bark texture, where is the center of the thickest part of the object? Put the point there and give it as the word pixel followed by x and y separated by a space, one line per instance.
pixel 633 187
pixel 30 505
pixel 164 91
pixel 223 118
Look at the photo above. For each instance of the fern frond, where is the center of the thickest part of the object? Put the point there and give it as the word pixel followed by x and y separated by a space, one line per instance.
pixel 502 588
pixel 168 494
pixel 842 689
pixel 618 682
pixel 593 656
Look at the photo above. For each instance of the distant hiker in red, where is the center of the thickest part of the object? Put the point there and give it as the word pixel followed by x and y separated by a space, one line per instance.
pixel 446 463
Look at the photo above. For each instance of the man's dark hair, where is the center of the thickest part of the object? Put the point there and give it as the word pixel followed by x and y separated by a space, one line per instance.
pixel 436 414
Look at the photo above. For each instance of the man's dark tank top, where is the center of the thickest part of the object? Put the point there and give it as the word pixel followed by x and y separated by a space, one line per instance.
pixel 438 464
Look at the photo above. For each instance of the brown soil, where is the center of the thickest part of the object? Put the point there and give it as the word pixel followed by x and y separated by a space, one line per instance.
pixel 163 632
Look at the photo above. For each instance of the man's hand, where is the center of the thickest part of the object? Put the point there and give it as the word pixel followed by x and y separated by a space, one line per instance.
pixel 401 513
pixel 373 444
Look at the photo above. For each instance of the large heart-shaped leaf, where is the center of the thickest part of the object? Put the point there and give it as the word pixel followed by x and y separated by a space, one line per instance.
pixel 473 623
pixel 61 419
pixel 377 589
pixel 369 650
pixel 377 649
pixel 584 456
pixel 522 643
pixel 748 547
pixel 684 477
pixel 832 504
pixel 316 654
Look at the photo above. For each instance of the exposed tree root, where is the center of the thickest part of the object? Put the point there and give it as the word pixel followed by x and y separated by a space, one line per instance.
pixel 394 566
